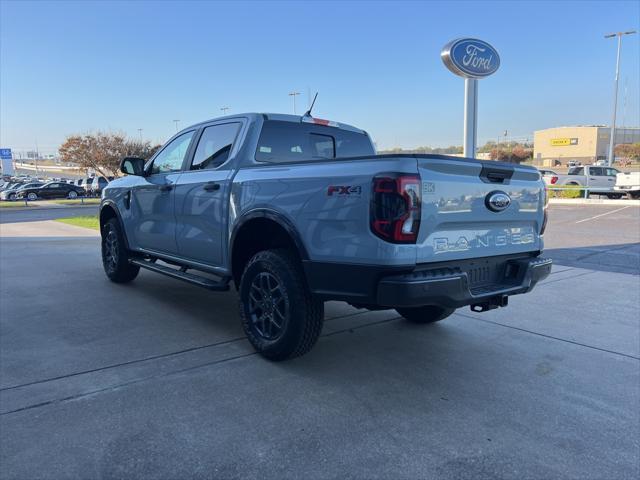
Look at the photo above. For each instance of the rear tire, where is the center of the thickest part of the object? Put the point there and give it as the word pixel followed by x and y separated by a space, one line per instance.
pixel 280 316
pixel 614 196
pixel 72 195
pixel 32 196
pixel 115 257
pixel 426 314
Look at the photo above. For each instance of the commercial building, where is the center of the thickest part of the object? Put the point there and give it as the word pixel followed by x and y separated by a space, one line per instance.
pixel 585 144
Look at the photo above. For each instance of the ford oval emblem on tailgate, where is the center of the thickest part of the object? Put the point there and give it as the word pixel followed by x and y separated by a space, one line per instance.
pixel 497 201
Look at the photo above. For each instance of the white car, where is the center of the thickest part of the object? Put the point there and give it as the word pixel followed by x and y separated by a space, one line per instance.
pixel 628 183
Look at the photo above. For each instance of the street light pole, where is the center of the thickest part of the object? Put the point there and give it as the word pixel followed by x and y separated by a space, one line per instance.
pixel 176 122
pixel 224 110
pixel 140 133
pixel 615 93
pixel 293 94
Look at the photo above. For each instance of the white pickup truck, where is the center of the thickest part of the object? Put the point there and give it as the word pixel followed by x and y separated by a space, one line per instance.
pixel 628 183
pixel 599 180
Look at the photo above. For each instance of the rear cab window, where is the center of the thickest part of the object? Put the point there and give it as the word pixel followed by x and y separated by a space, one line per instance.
pixel 286 142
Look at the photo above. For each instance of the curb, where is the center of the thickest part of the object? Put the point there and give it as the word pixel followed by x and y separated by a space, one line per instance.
pixel 593 201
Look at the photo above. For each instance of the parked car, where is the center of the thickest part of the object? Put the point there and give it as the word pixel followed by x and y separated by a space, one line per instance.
pixel 628 183
pixel 98 183
pixel 274 204
pixel 51 190
pixel 12 193
pixel 547 175
pixel 10 185
pixel 598 180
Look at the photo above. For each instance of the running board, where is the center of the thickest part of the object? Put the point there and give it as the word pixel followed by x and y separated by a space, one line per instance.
pixel 209 284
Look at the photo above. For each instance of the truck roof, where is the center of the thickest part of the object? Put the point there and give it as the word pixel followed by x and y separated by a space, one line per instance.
pixel 282 117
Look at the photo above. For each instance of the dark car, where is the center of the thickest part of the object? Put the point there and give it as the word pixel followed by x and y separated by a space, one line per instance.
pixel 12 193
pixel 51 190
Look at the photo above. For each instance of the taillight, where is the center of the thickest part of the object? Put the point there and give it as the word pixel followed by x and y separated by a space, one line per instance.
pixel 396 207
pixel 554 180
pixel 544 222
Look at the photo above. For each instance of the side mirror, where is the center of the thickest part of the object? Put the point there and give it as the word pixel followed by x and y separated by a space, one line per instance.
pixel 132 166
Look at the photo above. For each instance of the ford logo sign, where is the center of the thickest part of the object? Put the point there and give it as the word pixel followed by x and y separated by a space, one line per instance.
pixel 470 58
pixel 497 201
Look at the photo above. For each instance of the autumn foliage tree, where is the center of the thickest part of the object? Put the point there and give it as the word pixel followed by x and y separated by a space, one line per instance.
pixel 628 151
pixel 103 151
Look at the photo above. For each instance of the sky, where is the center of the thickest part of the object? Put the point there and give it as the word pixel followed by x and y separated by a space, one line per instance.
pixel 76 67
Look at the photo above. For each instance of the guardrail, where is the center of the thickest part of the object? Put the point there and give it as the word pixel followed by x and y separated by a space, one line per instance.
pixel 581 191
pixel 82 199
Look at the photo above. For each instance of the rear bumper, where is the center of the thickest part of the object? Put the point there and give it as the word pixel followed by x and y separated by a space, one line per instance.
pixel 454 287
pixel 452 284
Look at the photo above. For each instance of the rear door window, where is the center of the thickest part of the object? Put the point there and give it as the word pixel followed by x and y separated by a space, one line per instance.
pixel 215 146
pixel 284 142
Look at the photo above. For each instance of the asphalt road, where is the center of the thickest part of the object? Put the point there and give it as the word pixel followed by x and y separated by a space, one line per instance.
pixel 155 380
pixel 599 237
pixel 34 214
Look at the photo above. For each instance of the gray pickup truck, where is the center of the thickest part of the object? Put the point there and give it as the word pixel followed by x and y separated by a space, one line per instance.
pixel 295 211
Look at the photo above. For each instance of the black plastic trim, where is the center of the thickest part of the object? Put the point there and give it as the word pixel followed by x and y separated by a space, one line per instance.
pixel 442 283
pixel 113 205
pixel 277 217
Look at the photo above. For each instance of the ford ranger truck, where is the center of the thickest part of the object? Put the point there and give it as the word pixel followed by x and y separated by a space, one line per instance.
pixel 295 211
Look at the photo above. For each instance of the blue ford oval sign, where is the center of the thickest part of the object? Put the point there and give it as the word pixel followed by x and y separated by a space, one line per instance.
pixel 470 58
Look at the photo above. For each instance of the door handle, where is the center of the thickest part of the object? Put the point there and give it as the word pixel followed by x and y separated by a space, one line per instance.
pixel 211 186
pixel 166 188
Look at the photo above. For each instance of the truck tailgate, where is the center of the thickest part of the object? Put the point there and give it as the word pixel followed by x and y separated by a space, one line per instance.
pixel 456 222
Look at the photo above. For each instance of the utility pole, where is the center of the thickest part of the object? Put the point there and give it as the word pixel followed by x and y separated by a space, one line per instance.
pixel 294 94
pixel 37 156
pixel 224 110
pixel 615 93
pixel 176 122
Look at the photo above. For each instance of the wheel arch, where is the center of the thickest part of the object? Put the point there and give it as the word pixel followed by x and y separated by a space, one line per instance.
pixel 258 230
pixel 108 210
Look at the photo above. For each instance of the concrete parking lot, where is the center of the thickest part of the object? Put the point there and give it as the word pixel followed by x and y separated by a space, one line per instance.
pixel 155 379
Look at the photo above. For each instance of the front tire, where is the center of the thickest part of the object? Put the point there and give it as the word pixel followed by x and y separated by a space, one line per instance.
pixel 280 316
pixel 115 258
pixel 72 195
pixel 426 314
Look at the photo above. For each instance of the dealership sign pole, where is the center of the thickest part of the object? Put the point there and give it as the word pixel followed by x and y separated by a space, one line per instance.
pixel 7 163
pixel 471 59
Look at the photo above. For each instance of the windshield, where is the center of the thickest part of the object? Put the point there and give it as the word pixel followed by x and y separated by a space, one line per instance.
pixel 282 142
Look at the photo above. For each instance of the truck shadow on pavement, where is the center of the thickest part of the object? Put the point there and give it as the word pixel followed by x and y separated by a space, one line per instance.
pixel 618 258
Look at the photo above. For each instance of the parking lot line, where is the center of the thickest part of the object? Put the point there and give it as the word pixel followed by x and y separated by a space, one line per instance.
pixel 603 214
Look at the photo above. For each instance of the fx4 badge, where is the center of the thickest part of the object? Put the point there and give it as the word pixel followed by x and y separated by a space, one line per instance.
pixel 344 190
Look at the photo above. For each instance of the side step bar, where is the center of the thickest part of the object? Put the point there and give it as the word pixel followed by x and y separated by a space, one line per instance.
pixel 209 284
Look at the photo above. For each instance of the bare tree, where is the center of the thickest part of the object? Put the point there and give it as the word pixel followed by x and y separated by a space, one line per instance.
pixel 103 151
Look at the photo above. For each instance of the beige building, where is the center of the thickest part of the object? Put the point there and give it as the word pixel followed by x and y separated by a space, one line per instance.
pixel 585 144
